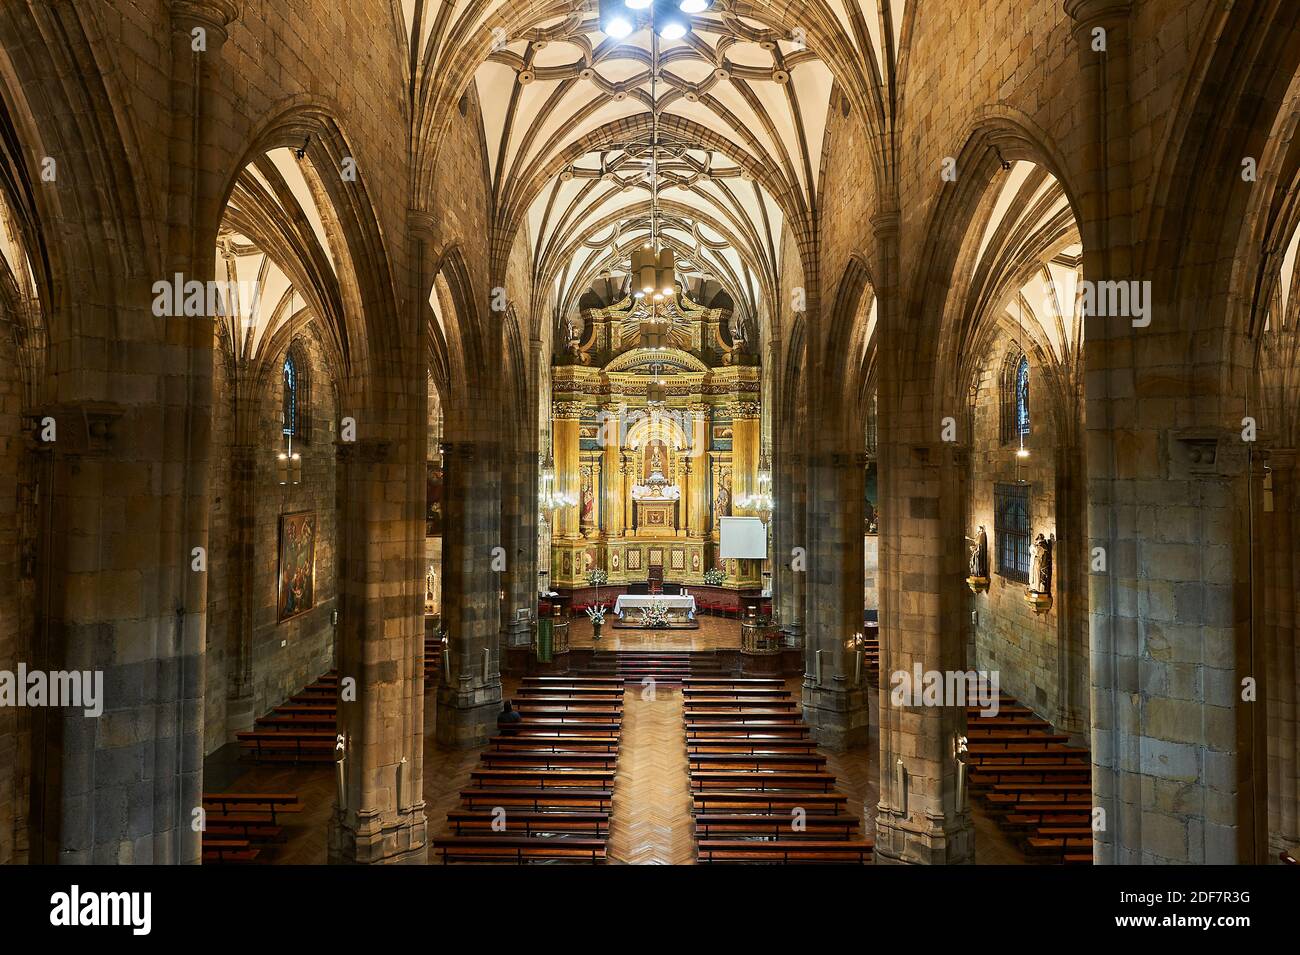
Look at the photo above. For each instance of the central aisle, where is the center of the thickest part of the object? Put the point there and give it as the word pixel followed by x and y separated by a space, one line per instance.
pixel 651 819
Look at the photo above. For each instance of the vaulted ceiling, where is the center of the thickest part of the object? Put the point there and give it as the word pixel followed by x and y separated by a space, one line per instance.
pixel 742 102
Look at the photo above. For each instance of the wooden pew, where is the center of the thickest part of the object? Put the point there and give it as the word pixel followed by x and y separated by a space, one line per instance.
pixel 785 851
pixel 731 705
pixel 542 744
pixel 548 759
pixel 226 851
pixel 528 823
pixel 271 803
pixel 755 762
pixel 304 746
pixel 519 849
pixel 524 776
pixel 811 781
pixel 720 825
pixel 759 729
pixel 751 800
pixel 743 744
pixel 535 798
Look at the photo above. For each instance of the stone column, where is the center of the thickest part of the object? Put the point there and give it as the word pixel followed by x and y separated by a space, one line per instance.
pixel 834 706
pixel 1280 573
pixel 380 639
pixel 612 493
pixel 469 701
pixel 923 595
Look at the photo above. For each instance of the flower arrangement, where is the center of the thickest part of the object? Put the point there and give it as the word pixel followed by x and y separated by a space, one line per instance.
pixel 654 617
pixel 714 576
pixel 597 577
pixel 597 614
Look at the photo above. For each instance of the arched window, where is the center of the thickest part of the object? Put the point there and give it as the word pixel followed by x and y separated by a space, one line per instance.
pixel 1014 395
pixel 296 403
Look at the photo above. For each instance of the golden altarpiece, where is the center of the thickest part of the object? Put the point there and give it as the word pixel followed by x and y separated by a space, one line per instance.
pixel 656 435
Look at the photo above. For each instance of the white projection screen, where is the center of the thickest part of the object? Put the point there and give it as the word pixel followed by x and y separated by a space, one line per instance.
pixel 743 537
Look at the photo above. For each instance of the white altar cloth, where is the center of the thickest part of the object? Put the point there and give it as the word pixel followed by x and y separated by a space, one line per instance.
pixel 627 602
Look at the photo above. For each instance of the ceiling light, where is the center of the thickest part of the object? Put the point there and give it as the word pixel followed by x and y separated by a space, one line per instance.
pixel 637 4
pixel 615 21
pixel 669 20
pixel 695 6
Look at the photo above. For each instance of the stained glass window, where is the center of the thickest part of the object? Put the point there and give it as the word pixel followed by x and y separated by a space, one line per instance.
pixel 290 413
pixel 1022 397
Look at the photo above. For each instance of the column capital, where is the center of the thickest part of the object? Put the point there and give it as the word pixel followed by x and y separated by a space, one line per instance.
pixel 423 224
pixel 210 14
pixel 1097 13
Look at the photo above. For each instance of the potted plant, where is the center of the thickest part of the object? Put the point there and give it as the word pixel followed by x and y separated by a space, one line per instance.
pixel 597 615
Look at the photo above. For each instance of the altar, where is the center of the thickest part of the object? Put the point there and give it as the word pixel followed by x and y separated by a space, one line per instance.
pixel 678 611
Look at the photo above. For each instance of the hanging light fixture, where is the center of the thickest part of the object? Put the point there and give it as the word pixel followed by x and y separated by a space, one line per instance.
pixel 615 20
pixel 669 20
pixel 695 6
pixel 1023 452
pixel 637 4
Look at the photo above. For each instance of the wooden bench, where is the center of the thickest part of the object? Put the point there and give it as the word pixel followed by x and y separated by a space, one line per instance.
pixel 304 746
pixel 270 802
pixel 604 681
pixel 553 727
pixel 549 759
pixel 575 713
pixel 739 714
pixel 519 849
pixel 536 798
pixel 539 703
pixel 544 744
pixel 783 850
pixel 744 744
pixel 297 722
pixel 760 729
pixel 543 778
pixel 812 781
pixel 723 704
pixel 755 761
pixel 694 681
pixel 750 800
pixel 776 826
pixel 529 822
pixel 590 693
pixel 735 693
pixel 253 827
pixel 224 851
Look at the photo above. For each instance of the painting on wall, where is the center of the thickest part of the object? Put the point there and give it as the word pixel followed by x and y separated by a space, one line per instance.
pixel 433 500
pixel 297 578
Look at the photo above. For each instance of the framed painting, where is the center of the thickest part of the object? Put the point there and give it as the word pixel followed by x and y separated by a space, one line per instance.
pixel 297 576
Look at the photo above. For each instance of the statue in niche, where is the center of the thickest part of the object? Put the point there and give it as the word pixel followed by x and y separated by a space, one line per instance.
pixel 656 462
pixel 588 498
pixel 1040 571
pixel 979 554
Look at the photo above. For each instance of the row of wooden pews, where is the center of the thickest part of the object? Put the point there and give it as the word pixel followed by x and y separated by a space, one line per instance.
pixel 244 827
pixel 668 667
pixel 1036 786
pixel 543 789
pixel 300 730
pixel 760 790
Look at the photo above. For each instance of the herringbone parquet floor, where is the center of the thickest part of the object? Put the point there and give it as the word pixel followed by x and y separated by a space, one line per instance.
pixel 651 822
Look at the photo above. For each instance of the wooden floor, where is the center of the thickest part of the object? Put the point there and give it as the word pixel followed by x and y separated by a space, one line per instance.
pixel 651 822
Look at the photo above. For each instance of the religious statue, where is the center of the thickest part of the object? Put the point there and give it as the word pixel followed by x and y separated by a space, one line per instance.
pixel 1040 574
pixel 656 463
pixel 979 554
pixel 588 500
pixel 723 500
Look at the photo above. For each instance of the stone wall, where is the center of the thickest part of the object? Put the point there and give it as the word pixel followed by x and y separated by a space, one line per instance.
pixel 286 655
pixel 1009 637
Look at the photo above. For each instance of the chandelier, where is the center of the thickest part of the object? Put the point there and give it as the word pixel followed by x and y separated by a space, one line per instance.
pixel 549 498
pixel 653 266
pixel 761 501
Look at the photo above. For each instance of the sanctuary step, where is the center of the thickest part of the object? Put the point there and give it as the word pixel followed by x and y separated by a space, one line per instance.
pixel 1036 787
pixel 669 666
